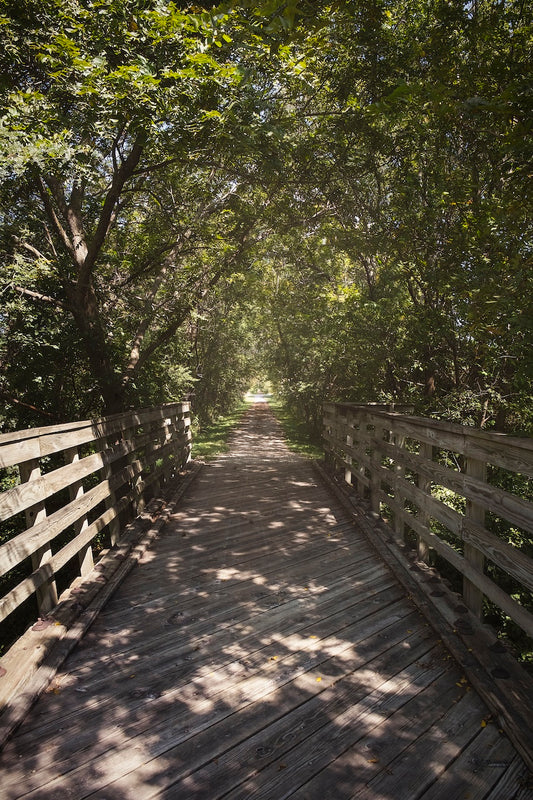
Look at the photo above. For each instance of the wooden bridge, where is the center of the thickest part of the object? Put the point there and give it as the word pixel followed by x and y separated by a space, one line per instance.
pixel 261 633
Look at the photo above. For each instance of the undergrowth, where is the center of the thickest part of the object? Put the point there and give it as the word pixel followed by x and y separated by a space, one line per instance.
pixel 298 434
pixel 209 440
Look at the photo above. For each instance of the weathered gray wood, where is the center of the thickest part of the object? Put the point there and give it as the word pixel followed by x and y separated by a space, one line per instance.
pixel 28 542
pixel 151 434
pixel 38 442
pixel 33 660
pixel 477 448
pixel 280 668
pixel 474 645
pixel 510 452
pixel 426 757
pixel 482 582
pixel 375 469
pixel 476 512
pixel 46 592
pixel 180 671
pixel 424 485
pixel 85 554
pixel 502 503
pixel 488 756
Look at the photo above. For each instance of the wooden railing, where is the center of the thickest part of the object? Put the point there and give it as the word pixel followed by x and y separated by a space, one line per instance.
pixel 76 484
pixel 464 493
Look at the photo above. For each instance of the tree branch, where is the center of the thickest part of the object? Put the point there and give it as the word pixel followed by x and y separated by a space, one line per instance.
pixel 124 172
pixel 52 216
pixel 38 296
pixel 18 402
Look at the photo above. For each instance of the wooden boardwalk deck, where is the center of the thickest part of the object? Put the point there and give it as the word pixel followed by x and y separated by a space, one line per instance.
pixel 260 649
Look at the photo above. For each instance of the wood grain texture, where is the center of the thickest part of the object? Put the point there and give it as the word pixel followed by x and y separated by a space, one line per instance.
pixel 134 452
pixel 259 648
pixel 406 476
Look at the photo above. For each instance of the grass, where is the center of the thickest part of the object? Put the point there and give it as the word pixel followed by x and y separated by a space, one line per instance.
pixel 211 440
pixel 299 437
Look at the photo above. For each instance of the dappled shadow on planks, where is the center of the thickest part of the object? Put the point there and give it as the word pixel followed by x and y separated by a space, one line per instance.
pixel 259 649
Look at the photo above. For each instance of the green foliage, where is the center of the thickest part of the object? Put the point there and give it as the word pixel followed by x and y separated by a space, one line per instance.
pixel 337 195
pixel 334 197
pixel 212 439
pixel 127 139
pixel 300 438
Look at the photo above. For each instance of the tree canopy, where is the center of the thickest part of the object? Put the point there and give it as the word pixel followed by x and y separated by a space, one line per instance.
pixel 335 196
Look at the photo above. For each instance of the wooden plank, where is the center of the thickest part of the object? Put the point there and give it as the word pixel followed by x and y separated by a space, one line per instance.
pixel 15 500
pixel 503 450
pixel 17 549
pixel 305 768
pixel 53 563
pixel 246 575
pixel 509 558
pixel 217 759
pixel 474 646
pixel 46 592
pixel 504 555
pixel 416 766
pixel 517 775
pixel 286 676
pixel 172 676
pixel 32 433
pixel 39 442
pixel 196 747
pixel 375 469
pixel 504 504
pixel 473 597
pixel 200 697
pixel 517 612
pixel 483 761
pixel 432 507
pixel 423 516
pixel 34 659
pixel 76 490
pixel 20 547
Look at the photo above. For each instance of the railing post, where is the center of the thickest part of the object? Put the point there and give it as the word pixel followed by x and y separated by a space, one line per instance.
pixel 171 439
pixel 137 502
pixel 76 491
pixel 375 477
pixel 187 432
pixel 151 454
pixel 326 431
pixel 111 499
pixel 167 461
pixel 348 458
pixel 399 471
pixel 359 445
pixel 424 484
pixel 46 594
pixel 473 597
pixel 176 433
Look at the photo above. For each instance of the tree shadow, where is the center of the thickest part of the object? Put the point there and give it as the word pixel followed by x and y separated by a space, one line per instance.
pixel 259 649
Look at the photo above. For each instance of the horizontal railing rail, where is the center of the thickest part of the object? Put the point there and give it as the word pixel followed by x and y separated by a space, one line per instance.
pixel 464 493
pixel 76 485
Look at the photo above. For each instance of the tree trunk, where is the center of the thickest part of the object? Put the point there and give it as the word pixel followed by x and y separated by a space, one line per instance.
pixel 84 307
